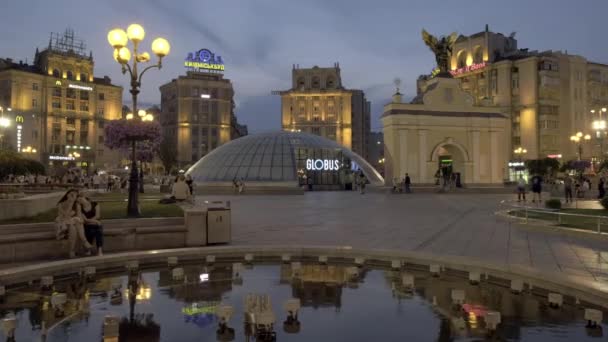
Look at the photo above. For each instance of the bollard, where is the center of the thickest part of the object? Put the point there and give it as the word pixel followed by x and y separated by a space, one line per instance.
pixel 517 286
pixel 177 273
pixel 492 319
pixel 248 258
pixel 593 317
pixel 458 297
pixel 408 281
pixel 359 261
pixel 435 270
pixel 474 278
pixel 556 300
pixel 172 261
pixel 110 328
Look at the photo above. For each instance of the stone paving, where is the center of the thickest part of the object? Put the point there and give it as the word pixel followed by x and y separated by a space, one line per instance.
pixel 447 224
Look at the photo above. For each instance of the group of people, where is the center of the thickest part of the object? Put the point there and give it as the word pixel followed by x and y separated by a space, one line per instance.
pixel 238 185
pixel 403 185
pixel 578 187
pixel 78 219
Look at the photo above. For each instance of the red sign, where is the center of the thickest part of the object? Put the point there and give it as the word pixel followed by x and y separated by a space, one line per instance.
pixel 468 68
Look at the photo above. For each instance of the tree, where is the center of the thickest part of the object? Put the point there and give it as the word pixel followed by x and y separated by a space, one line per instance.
pixel 542 167
pixel 168 154
pixel 12 162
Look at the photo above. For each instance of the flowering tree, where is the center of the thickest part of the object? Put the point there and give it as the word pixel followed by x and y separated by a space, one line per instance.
pixel 121 133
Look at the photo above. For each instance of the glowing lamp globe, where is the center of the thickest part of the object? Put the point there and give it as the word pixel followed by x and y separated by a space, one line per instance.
pixel 141 113
pixel 136 33
pixel 148 117
pixel 123 55
pixel 161 47
pixel 129 116
pixel 117 38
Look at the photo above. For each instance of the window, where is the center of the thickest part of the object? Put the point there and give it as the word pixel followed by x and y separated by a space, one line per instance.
pixel 330 82
pixel 70 93
pixel 35 86
pixel 84 124
pixel 101 97
pixel 70 75
pixel 69 137
pixel 84 95
pixel 69 105
pixel 515 83
pixel 70 121
pixel 57 92
pixel 316 82
pixel 34 103
pixel 55 135
pixel 195 91
pixel 478 55
pixel 84 138
pixel 100 124
pixel 84 77
pixel 56 104
pixel 301 83
pixel 461 58
pixel 100 139
pixel 84 106
pixel 100 110
pixel 56 73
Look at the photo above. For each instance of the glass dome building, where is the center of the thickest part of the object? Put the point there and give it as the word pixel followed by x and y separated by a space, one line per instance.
pixel 283 160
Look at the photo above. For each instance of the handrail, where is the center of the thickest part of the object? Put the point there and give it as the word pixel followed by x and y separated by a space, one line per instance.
pixel 527 210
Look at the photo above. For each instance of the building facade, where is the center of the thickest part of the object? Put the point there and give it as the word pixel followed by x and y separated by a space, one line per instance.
pixel 375 150
pixel 442 133
pixel 197 114
pixel 58 107
pixel 318 103
pixel 548 96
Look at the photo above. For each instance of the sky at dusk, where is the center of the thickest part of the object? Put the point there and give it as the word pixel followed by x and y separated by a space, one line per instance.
pixel 259 40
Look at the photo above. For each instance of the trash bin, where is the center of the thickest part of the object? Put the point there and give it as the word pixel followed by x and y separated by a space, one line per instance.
pixel 218 223
pixel 196 226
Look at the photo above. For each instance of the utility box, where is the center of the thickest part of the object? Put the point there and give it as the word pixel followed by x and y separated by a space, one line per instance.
pixel 218 224
pixel 196 227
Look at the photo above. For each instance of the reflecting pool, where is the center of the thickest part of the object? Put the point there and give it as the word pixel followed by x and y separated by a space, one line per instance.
pixel 332 302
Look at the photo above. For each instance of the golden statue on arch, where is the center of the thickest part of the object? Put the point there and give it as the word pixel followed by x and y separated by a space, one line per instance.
pixel 442 48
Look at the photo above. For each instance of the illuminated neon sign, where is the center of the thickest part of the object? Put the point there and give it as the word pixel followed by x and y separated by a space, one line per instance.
pixel 19 119
pixel 204 59
pixel 468 68
pixel 76 86
pixel 61 158
pixel 322 165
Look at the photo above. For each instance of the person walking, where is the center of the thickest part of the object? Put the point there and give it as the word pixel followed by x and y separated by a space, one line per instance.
pixel 537 188
pixel 408 183
pixel 521 189
pixel 362 181
pixel 584 188
pixel 600 188
pixel 395 185
pixel 568 188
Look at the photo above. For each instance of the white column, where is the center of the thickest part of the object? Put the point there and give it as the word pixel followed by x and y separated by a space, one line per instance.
pixel 403 153
pixel 476 158
pixel 422 155
pixel 495 166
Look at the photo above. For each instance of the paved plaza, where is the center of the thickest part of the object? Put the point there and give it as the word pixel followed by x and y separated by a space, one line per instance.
pixel 448 224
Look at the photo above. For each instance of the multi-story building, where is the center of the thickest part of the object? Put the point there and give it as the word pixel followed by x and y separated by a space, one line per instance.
pixel 59 108
pixel 318 103
pixel 197 114
pixel 548 95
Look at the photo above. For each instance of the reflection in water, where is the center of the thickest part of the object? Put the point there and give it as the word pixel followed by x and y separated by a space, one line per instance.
pixel 313 302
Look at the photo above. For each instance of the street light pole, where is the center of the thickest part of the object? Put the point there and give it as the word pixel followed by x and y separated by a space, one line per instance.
pixel 118 39
pixel 578 139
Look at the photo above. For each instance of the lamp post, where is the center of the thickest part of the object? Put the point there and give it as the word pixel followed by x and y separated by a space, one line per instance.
pixel 4 124
pixel 118 39
pixel 519 152
pixel 599 126
pixel 578 138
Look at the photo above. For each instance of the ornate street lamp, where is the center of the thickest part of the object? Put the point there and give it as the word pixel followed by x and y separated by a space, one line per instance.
pixel 578 138
pixel 119 39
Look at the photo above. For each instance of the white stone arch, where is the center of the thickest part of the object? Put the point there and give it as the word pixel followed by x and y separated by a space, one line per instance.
pixel 450 142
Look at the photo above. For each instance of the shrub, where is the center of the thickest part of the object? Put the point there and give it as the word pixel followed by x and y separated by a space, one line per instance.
pixel 553 203
pixel 604 202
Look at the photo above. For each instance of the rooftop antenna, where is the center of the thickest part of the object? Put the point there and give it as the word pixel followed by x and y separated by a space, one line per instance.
pixel 397 82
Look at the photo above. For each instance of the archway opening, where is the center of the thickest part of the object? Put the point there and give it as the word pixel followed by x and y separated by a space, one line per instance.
pixel 450 164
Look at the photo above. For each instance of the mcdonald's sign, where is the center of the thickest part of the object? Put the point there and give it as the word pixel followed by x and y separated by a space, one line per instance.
pixel 19 118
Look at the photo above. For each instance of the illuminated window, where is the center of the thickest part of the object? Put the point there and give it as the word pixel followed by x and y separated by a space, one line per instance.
pixel 84 95
pixel 461 59
pixel 478 55
pixel 84 77
pixel 69 104
pixel 84 106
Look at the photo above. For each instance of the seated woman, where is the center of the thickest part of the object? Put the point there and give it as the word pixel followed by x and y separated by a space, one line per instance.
pixel 91 214
pixel 69 222
pixel 180 191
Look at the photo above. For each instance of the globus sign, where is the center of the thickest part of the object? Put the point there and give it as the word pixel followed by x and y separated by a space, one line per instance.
pixel 204 59
pixel 322 164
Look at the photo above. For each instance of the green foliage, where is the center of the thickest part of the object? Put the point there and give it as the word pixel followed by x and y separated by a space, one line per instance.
pixel 12 162
pixel 168 154
pixel 604 202
pixel 553 203
pixel 542 167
